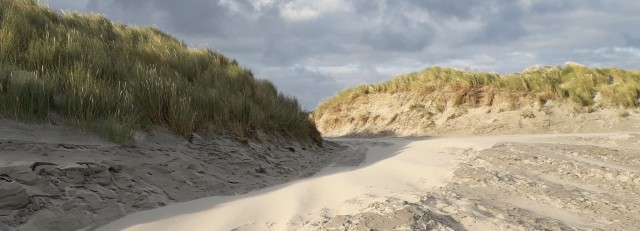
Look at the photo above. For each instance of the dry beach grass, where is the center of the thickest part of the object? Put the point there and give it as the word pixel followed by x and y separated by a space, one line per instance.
pixel 85 71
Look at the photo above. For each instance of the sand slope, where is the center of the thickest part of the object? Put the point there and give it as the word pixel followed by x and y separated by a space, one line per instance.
pixel 586 181
pixel 57 178
pixel 405 114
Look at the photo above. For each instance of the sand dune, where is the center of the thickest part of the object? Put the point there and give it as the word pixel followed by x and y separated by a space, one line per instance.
pixel 390 190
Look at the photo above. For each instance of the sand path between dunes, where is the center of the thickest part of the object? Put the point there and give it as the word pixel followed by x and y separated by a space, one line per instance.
pixel 395 169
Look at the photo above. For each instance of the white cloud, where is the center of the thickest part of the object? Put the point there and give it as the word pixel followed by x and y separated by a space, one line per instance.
pixel 480 62
pixel 628 50
pixel 400 66
pixel 305 10
pixel 611 51
pixel 231 4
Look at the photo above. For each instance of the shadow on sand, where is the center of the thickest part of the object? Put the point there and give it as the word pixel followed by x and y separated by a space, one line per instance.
pixel 366 152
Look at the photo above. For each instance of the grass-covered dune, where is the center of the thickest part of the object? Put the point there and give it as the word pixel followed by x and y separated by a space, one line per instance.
pixel 445 101
pixel 87 71
pixel 572 83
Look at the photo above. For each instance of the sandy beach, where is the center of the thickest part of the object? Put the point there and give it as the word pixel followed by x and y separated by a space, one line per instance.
pixel 555 182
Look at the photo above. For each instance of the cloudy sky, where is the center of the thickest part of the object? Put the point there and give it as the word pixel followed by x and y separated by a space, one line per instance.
pixel 313 48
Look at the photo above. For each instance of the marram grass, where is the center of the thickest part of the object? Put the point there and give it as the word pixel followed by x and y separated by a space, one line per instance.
pixel 115 79
pixel 574 83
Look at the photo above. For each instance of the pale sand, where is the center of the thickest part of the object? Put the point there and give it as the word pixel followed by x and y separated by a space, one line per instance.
pixel 413 184
pixel 404 169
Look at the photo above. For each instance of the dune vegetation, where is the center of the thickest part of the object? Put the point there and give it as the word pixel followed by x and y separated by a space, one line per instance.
pixel 115 79
pixel 571 83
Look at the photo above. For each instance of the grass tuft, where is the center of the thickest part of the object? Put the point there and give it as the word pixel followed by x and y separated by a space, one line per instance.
pixel 109 77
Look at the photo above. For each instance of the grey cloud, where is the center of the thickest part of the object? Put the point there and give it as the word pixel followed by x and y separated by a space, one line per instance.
pixel 204 17
pixel 504 25
pixel 631 40
pixel 393 39
pixel 553 6
pixel 190 18
pixel 129 12
pixel 309 86
pixel 450 9
pixel 391 28
pixel 437 8
pixel 66 5
pixel 369 7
